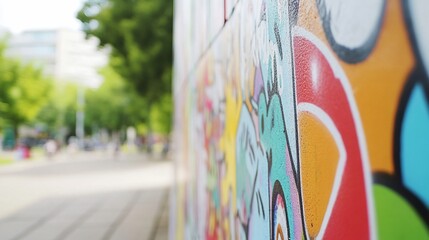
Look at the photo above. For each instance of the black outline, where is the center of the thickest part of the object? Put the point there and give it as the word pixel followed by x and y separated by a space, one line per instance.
pixel 395 184
pixel 293 12
pixel 414 79
pixel 278 40
pixel 278 190
pixel 350 55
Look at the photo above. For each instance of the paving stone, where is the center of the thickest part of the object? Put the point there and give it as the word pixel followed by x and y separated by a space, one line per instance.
pixel 90 233
pixel 101 218
pixel 132 232
pixel 50 230
pixel 161 235
pixel 74 208
pixel 12 229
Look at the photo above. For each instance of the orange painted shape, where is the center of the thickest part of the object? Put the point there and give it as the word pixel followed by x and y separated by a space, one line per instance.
pixel 309 19
pixel 319 160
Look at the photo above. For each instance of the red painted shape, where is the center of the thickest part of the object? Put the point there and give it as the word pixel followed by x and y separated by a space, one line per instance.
pixel 349 219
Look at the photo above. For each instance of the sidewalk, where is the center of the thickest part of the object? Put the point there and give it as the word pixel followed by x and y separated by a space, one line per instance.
pixel 85 197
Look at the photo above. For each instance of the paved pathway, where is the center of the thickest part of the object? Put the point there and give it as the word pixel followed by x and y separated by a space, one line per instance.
pixel 85 196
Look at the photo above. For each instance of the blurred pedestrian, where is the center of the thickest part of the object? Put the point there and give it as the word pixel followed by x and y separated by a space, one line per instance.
pixel 166 147
pixel 50 148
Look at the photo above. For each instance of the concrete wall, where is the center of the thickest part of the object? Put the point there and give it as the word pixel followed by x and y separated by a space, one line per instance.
pixel 301 119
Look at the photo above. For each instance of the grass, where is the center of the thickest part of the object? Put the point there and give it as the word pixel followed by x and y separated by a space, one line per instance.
pixel 9 157
pixel 5 161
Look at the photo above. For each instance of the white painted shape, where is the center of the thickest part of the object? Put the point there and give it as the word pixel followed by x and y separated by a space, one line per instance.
pixel 353 22
pixel 315 73
pixel 282 221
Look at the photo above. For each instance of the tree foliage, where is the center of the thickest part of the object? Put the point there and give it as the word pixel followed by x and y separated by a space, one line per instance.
pixel 23 91
pixel 140 35
pixel 115 105
pixel 59 112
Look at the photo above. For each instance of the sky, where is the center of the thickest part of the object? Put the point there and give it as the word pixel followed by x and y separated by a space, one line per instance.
pixel 20 15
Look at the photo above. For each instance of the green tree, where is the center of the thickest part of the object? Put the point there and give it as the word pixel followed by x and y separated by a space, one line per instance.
pixel 23 91
pixel 59 112
pixel 115 105
pixel 139 33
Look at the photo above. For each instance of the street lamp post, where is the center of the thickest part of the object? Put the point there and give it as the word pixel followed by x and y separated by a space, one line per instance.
pixel 80 116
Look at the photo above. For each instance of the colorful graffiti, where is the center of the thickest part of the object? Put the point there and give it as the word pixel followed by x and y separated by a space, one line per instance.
pixel 301 119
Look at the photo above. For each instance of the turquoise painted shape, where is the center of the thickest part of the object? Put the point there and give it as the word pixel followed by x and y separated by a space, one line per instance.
pixel 415 144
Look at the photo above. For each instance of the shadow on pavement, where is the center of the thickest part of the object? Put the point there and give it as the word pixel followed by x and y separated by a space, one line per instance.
pixel 87 196
pixel 121 215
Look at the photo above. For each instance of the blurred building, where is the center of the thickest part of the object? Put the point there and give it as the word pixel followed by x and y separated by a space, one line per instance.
pixel 3 32
pixel 64 54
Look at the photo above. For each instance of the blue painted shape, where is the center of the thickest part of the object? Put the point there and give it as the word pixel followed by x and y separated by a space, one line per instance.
pixel 253 197
pixel 273 139
pixel 415 144
pixel 277 67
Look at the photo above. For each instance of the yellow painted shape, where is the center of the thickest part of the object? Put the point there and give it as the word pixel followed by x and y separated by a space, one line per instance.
pixel 319 160
pixel 227 144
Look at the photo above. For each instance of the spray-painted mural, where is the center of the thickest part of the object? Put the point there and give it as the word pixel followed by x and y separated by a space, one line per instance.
pixel 301 119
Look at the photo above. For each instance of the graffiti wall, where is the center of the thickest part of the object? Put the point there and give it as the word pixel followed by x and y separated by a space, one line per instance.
pixel 301 119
